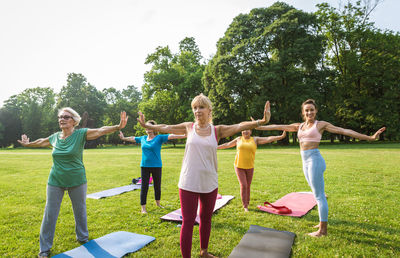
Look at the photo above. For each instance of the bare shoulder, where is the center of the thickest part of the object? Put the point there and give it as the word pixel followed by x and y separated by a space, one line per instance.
pixel 323 124
pixel 188 126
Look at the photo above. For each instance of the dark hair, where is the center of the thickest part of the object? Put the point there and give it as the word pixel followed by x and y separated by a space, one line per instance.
pixel 308 101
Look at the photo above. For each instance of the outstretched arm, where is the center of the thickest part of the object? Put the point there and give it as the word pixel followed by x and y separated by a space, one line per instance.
pixel 229 130
pixel 348 132
pixel 97 132
pixel 288 128
pixel 42 142
pixel 126 139
pixel 228 144
pixel 162 128
pixel 269 139
pixel 176 136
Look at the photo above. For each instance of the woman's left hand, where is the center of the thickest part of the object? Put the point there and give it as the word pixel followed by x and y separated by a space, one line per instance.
pixel 376 135
pixel 267 113
pixel 141 119
pixel 123 121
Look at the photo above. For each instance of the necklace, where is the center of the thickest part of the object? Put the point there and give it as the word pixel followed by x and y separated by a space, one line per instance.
pixel 202 128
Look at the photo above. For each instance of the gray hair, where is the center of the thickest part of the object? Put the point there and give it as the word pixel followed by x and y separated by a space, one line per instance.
pixel 75 115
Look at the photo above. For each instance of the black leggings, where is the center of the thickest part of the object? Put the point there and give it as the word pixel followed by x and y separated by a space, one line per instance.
pixel 156 173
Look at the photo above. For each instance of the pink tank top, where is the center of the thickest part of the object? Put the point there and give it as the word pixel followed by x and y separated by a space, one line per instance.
pixel 309 135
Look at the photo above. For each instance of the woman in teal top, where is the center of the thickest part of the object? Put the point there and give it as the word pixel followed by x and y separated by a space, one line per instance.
pixel 151 161
pixel 67 173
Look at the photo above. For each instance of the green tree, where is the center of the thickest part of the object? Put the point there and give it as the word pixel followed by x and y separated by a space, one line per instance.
pixel 269 54
pixel 1 132
pixel 366 63
pixel 82 96
pixel 10 119
pixel 126 100
pixel 172 82
pixel 31 112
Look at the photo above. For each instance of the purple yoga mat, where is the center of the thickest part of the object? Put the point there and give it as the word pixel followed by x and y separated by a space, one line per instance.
pixel 299 202
pixel 177 214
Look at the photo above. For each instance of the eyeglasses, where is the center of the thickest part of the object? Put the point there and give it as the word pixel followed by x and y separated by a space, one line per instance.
pixel 64 117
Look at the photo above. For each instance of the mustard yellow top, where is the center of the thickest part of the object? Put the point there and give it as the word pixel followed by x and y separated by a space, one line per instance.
pixel 245 153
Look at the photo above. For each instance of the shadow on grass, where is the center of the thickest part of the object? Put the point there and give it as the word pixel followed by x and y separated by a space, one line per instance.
pixel 352 232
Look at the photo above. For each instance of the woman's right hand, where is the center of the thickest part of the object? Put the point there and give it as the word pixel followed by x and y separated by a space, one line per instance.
pixel 121 135
pixel 24 140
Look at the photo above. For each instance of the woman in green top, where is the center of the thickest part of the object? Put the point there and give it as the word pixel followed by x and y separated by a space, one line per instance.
pixel 67 173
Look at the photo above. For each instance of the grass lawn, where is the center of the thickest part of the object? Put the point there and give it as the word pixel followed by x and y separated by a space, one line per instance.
pixel 362 182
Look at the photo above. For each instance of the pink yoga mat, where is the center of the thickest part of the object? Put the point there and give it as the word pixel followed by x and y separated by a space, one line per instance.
pixel 300 203
pixel 176 215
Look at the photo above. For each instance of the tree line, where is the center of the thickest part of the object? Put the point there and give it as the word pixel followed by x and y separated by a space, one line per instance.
pixel 281 54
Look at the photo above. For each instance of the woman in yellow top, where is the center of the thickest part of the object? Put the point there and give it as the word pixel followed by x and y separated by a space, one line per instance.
pixel 246 147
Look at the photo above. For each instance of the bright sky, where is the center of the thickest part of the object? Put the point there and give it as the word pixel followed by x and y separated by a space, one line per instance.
pixel 41 41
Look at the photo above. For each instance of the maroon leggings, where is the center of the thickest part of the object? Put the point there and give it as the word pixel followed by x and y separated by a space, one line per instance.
pixel 189 203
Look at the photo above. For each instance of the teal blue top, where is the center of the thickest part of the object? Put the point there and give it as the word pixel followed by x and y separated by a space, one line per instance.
pixel 151 150
pixel 68 169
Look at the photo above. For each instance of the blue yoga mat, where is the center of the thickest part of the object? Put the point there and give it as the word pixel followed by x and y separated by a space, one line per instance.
pixel 116 244
pixel 113 191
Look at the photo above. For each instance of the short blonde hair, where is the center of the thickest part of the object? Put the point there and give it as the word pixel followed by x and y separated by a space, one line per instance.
pixel 75 115
pixel 203 100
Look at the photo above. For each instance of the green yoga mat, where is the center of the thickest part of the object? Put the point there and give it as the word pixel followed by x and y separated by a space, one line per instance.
pixel 264 242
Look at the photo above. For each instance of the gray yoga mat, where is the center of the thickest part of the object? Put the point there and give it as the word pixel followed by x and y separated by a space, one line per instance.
pixel 264 242
pixel 113 191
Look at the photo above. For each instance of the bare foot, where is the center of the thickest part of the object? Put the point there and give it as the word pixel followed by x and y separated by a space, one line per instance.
pixel 322 229
pixel 246 209
pixel 144 211
pixel 318 233
pixel 158 204
pixel 206 254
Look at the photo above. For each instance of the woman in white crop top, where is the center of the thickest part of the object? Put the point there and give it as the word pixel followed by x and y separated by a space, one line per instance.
pixel 309 133
pixel 199 179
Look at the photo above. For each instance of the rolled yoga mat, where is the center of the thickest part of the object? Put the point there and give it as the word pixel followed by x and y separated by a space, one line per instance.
pixel 299 202
pixel 176 215
pixel 264 242
pixel 116 244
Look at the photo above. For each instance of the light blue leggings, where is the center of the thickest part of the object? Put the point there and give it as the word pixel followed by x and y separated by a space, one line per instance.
pixel 314 167
pixel 55 195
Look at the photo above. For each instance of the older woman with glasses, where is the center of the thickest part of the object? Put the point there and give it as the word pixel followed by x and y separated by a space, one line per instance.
pixel 67 173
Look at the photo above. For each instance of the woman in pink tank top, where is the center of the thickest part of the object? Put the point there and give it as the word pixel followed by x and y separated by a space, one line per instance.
pixel 309 133
pixel 198 180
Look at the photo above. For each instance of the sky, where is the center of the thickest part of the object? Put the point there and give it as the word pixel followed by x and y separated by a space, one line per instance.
pixel 41 41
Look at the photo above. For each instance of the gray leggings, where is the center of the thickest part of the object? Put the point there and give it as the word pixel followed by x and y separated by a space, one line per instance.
pixel 55 194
